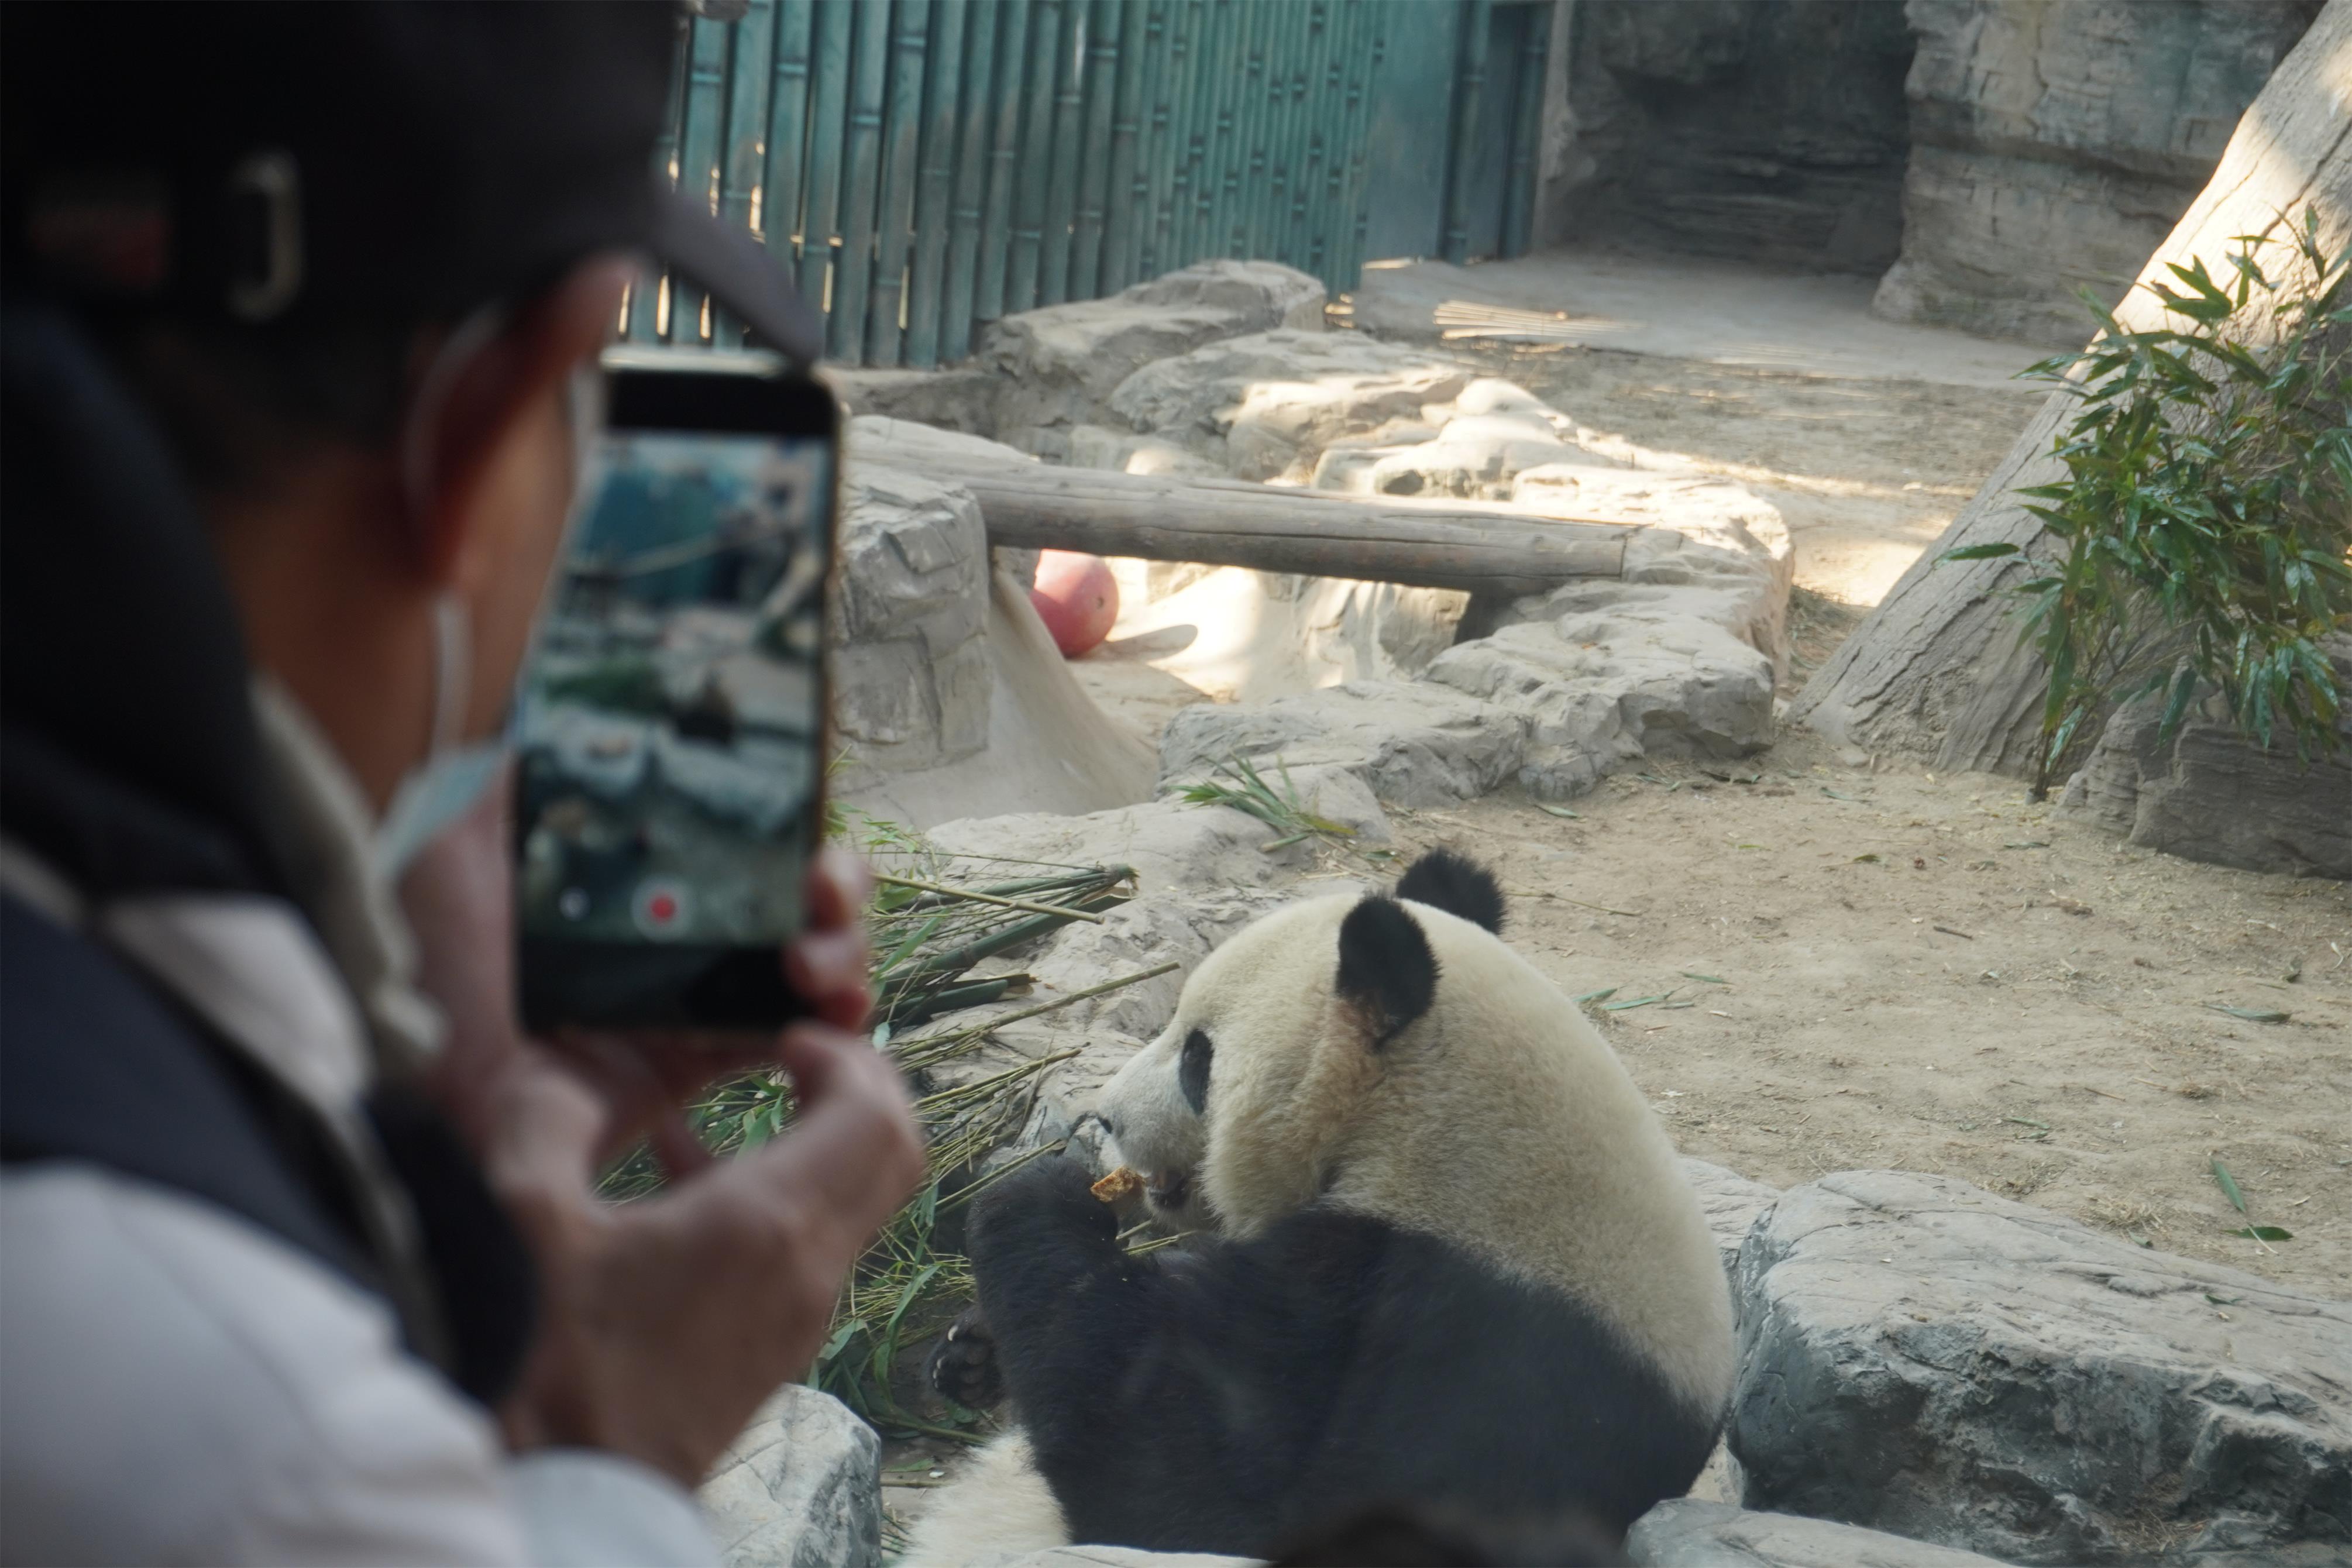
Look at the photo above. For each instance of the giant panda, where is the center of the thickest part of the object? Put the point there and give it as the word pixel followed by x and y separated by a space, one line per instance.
pixel 1455 1262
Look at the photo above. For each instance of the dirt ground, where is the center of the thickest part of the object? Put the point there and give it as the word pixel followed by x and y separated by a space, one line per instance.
pixel 1866 473
pixel 1918 972
pixel 1926 972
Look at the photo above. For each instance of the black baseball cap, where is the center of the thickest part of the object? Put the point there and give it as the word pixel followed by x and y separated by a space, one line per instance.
pixel 285 161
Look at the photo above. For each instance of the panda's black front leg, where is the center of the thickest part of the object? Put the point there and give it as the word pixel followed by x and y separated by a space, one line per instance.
pixel 1044 1251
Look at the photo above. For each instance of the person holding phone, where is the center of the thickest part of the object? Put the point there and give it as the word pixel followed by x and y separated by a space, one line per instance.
pixel 300 1258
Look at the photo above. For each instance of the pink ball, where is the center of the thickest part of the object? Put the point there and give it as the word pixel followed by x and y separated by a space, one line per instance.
pixel 1077 597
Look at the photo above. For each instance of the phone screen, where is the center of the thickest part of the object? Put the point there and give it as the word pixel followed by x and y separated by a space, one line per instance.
pixel 671 730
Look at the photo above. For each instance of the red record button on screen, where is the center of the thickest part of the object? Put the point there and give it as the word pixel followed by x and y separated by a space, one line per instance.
pixel 660 907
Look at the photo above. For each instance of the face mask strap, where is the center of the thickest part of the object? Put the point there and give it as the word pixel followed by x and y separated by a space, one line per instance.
pixel 417 455
pixel 452 672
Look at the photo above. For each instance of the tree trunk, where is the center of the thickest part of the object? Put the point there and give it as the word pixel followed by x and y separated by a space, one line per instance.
pixel 1937 670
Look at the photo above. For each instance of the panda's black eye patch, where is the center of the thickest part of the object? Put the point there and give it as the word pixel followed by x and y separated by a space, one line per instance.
pixel 1192 1071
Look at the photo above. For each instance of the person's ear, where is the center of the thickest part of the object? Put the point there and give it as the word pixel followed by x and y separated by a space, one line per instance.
pixel 503 397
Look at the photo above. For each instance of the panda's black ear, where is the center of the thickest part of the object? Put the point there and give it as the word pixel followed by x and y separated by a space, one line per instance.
pixel 1387 971
pixel 1456 884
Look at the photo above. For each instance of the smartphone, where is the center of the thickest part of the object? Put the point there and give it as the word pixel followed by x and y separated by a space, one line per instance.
pixel 671 720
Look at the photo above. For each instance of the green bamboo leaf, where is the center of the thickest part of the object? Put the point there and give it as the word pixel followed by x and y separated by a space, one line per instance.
pixel 2264 1233
pixel 1978 553
pixel 2229 1186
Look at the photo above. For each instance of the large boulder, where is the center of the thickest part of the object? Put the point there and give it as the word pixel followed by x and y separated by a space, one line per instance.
pixel 1623 672
pixel 1057 367
pixel 1731 1203
pixel 1416 743
pixel 1920 1356
pixel 802 1487
pixel 2209 793
pixel 2055 146
pixel 911 671
pixel 1265 406
pixel 1689 1533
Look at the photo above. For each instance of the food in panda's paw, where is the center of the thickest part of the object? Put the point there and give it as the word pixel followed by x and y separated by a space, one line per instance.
pixel 1119 1185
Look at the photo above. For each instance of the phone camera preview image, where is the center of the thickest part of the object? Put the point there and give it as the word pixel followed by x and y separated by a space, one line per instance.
pixel 671 727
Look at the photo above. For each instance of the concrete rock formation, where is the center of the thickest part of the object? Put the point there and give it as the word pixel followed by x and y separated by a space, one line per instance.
pixel 2209 793
pixel 1920 1356
pixel 1767 131
pixel 1416 743
pixel 1689 1533
pixel 802 1487
pixel 1057 367
pixel 910 672
pixel 2053 146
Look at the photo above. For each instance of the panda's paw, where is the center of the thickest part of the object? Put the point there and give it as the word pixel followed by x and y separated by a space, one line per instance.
pixel 962 1368
pixel 1046 1197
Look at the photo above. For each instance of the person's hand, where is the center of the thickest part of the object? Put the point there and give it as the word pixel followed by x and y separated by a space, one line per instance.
pixel 458 897
pixel 668 1321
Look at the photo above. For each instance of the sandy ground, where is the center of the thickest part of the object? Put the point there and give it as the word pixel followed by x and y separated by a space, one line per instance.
pixel 2067 1049
pixel 1926 972
pixel 1866 473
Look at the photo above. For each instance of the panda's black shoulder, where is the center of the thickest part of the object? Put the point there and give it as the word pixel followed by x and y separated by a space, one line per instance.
pixel 1444 879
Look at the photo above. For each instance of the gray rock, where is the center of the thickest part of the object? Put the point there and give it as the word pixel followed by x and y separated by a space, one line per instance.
pixel 1416 743
pixel 1688 1533
pixel 2055 147
pixel 1265 405
pixel 964 398
pixel 2211 795
pixel 1117 1557
pixel 1058 366
pixel 1770 133
pixel 1173 847
pixel 1921 1356
pixel 757 785
pixel 892 443
pixel 910 671
pixel 1627 672
pixel 802 1487
pixel 1732 1205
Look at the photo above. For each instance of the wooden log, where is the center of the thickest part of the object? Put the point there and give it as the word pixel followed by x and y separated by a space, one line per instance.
pixel 1479 547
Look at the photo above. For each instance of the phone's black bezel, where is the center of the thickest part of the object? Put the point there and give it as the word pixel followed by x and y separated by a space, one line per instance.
pixel 669 985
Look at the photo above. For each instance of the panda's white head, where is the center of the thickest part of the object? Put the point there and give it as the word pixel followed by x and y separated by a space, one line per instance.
pixel 1283 1040
pixel 1392 1056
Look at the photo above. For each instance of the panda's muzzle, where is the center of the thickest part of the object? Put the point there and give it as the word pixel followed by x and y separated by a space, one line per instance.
pixel 1168 1189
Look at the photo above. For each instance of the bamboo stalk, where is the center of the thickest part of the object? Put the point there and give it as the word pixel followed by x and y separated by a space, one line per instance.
pixel 1223 86
pixel 741 163
pixel 1034 169
pixel 828 126
pixel 915 1046
pixel 1526 131
pixel 967 188
pixel 1134 247
pixel 1351 206
pixel 1004 155
pixel 1062 189
pixel 1270 178
pixel 788 108
pixel 698 150
pixel 645 293
pixel 969 895
pixel 1469 92
pixel 893 219
pixel 1097 214
pixel 937 212
pixel 853 274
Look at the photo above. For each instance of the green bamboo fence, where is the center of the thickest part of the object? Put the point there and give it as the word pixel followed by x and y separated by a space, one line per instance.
pixel 923 167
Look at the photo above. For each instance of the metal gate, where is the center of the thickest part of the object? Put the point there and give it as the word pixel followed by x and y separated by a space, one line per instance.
pixel 923 166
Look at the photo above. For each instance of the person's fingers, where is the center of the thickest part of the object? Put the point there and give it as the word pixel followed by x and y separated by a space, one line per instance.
pixel 852 1155
pixel 837 888
pixel 828 970
pixel 676 1148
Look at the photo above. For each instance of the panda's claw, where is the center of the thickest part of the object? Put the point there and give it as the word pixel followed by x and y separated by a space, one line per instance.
pixel 962 1368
